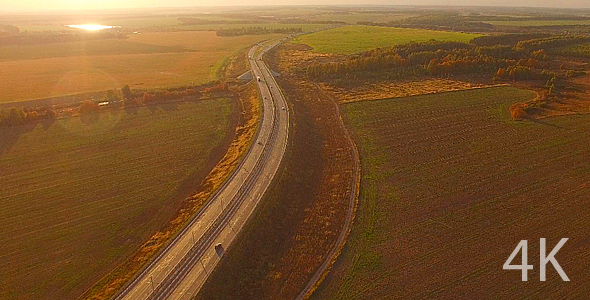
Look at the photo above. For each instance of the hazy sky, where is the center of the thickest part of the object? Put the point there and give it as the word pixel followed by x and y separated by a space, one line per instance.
pixel 105 4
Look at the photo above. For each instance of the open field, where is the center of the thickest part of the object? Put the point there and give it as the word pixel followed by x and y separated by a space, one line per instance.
pixel 78 197
pixel 450 186
pixel 161 66
pixel 82 48
pixel 353 39
pixel 539 23
pixel 134 22
pixel 211 27
pixel 353 18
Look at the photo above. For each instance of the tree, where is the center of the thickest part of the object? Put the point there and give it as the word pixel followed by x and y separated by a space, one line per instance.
pixel 147 97
pixel 112 96
pixel 126 91
pixel 88 106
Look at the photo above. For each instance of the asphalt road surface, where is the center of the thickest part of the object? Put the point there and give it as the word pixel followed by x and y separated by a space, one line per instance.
pixel 180 270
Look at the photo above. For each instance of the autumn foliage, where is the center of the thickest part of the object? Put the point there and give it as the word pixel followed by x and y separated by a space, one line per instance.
pixel 518 111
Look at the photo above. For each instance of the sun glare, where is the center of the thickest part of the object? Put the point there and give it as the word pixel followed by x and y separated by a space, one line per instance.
pixel 91 27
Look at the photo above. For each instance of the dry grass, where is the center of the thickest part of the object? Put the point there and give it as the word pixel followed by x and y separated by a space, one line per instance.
pixel 385 90
pixel 54 76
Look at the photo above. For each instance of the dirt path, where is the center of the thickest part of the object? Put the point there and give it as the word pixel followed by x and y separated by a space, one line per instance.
pixel 324 269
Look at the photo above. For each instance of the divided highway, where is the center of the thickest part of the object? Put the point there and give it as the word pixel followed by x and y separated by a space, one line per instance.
pixel 180 270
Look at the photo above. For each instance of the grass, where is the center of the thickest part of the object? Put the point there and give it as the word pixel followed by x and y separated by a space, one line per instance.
pixel 539 23
pixel 354 39
pixel 78 197
pixel 449 186
pixel 64 70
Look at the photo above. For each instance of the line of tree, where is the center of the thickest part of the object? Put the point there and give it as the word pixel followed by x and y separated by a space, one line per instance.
pixel 506 39
pixel 421 59
pixel 525 61
pixel 257 31
pixel 447 21
pixel 19 116
pixel 551 42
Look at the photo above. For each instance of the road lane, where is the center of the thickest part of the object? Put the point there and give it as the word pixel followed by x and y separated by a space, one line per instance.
pixel 180 270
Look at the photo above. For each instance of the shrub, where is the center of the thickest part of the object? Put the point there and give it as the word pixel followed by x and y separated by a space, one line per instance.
pixel 518 112
pixel 88 106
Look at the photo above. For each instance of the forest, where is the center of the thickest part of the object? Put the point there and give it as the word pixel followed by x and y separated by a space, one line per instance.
pixel 256 30
pixel 527 59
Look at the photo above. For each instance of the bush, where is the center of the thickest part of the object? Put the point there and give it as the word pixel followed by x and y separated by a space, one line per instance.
pixel 88 106
pixel 518 111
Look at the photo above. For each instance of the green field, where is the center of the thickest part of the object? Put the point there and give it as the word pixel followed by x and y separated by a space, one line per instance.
pixel 450 185
pixel 149 60
pixel 79 196
pixel 539 23
pixel 354 39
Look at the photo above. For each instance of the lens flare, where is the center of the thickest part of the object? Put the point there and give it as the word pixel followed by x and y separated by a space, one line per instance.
pixel 91 27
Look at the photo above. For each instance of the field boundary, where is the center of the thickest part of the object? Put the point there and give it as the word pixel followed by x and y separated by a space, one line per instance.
pixel 432 93
pixel 334 253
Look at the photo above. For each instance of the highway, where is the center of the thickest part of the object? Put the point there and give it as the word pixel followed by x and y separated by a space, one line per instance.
pixel 182 267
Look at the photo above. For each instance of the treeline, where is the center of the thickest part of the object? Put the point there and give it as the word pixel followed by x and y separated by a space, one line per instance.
pixel 257 31
pixel 528 18
pixel 444 21
pixel 150 97
pixel 197 21
pixel 9 29
pixel 551 42
pixel 506 39
pixel 421 59
pixel 433 58
pixel 19 116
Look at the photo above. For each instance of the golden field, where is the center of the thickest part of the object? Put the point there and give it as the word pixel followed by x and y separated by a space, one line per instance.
pixel 189 57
